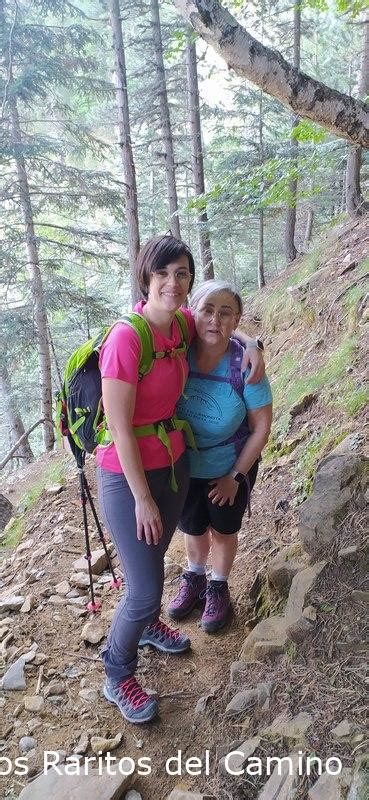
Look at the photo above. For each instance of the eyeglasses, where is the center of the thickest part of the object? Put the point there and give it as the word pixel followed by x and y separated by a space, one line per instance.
pixel 224 314
pixel 182 275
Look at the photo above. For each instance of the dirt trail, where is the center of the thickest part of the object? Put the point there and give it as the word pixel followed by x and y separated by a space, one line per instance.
pixel 180 681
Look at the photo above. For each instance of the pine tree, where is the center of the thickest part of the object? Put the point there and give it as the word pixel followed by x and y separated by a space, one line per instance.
pixel 125 145
pixel 166 128
pixel 290 225
pixel 197 156
pixel 355 204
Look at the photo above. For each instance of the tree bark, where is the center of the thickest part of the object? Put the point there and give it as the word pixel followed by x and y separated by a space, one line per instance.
pixel 197 159
pixel 290 225
pixel 233 262
pixel 355 204
pixel 261 274
pixel 152 196
pixel 37 288
pixel 165 120
pixel 16 427
pixel 309 226
pixel 125 144
pixel 265 67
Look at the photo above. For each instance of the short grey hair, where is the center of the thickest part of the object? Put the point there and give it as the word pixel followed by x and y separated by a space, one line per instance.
pixel 214 287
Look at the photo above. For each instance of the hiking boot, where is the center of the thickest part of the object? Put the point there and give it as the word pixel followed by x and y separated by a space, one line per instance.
pixel 188 595
pixel 133 702
pixel 164 638
pixel 217 605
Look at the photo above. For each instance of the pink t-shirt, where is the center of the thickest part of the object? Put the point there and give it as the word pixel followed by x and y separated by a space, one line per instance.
pixel 157 393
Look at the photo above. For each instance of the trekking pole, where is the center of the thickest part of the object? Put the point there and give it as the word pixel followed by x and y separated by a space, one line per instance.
pixel 116 582
pixel 93 605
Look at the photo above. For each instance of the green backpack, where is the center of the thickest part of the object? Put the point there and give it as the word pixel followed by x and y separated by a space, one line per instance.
pixel 79 411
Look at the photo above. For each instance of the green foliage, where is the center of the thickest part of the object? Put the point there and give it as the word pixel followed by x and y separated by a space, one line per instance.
pixel 52 474
pixel 289 385
pixel 13 534
pixel 350 397
pixel 353 7
pixel 291 652
pixel 62 65
pixel 178 42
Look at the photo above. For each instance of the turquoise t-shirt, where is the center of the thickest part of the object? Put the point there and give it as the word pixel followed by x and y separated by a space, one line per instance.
pixel 215 412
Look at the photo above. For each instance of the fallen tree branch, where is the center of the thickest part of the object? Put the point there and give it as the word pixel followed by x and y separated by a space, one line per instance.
pixel 23 438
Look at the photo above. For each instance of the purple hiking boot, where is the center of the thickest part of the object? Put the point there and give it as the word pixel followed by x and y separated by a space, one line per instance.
pixel 188 595
pixel 217 606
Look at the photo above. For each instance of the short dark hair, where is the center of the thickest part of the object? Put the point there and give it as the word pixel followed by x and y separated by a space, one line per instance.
pixel 156 254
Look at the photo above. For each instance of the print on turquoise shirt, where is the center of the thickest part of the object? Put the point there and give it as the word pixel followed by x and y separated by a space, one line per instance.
pixel 215 412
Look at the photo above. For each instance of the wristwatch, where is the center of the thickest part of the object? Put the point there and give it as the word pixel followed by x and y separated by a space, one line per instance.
pixel 255 343
pixel 237 476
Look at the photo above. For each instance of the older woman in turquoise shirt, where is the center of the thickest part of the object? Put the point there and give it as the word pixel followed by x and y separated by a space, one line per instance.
pixel 231 421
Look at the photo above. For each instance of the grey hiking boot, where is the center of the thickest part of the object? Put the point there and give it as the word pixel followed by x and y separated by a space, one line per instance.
pixel 133 702
pixel 191 587
pixel 164 638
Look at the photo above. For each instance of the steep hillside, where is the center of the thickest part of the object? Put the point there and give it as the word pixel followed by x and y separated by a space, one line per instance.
pixel 313 321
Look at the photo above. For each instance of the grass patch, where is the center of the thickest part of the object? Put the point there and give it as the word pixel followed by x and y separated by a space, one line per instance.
pixel 352 297
pixel 291 652
pixel 279 432
pixel 13 534
pixel 288 390
pixel 310 263
pixel 53 474
pixel 350 397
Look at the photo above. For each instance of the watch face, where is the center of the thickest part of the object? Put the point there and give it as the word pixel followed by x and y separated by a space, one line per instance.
pixel 239 477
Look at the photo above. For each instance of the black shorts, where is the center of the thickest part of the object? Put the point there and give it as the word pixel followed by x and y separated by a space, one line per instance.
pixel 199 513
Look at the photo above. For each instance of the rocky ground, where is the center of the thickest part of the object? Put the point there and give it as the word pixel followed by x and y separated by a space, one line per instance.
pixel 286 678
pixel 287 694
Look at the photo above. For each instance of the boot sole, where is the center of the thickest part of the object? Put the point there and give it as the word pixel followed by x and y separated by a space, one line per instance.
pixel 164 649
pixel 140 721
pixel 214 627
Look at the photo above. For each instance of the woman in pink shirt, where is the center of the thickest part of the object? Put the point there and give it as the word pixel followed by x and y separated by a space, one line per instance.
pixel 139 496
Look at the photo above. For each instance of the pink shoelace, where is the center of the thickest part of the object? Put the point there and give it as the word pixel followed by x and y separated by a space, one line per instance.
pixel 162 630
pixel 133 692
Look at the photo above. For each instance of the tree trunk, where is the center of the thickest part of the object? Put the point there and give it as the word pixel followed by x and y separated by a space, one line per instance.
pixel 265 67
pixel 355 205
pixel 197 157
pixel 309 226
pixel 16 427
pixel 165 120
pixel 290 225
pixel 261 276
pixel 152 196
pixel 233 262
pixel 36 280
pixel 125 144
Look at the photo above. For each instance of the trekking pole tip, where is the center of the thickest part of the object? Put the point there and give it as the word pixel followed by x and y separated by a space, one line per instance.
pixel 116 583
pixel 94 606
